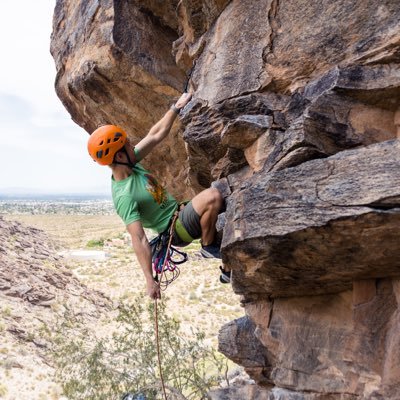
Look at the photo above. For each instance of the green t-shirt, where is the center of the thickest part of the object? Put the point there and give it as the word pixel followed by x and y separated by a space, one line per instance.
pixel 141 197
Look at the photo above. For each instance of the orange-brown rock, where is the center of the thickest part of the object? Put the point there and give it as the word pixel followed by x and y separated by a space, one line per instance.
pixel 323 347
pixel 315 228
pixel 112 71
pixel 294 117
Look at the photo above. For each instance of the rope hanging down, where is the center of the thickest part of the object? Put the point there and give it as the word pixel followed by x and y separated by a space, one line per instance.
pixel 158 350
pixel 165 260
pixel 185 89
pixel 165 266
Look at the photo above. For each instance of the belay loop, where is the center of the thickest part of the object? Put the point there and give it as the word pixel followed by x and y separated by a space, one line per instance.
pixel 166 258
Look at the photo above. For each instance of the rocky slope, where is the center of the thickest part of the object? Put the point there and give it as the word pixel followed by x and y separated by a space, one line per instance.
pixel 295 117
pixel 35 289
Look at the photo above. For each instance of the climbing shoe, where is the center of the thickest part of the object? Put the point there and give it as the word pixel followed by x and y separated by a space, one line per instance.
pixel 210 251
pixel 225 276
pixel 130 396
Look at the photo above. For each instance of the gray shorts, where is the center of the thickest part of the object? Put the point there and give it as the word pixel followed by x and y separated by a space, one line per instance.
pixel 191 222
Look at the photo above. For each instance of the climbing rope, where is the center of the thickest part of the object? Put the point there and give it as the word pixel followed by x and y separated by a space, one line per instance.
pixel 165 265
pixel 165 261
pixel 185 90
pixel 158 350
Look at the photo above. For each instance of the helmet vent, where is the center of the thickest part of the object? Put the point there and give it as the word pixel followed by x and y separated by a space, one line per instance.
pixel 99 154
pixel 101 143
pixel 108 141
pixel 106 152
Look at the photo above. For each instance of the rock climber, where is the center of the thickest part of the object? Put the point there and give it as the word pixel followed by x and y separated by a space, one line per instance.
pixel 142 202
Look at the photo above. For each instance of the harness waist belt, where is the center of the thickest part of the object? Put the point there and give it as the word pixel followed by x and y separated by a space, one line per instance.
pixel 182 232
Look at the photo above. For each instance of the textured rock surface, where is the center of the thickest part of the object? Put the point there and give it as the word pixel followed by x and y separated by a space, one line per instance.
pixel 321 228
pixel 114 65
pixel 31 270
pixel 35 289
pixel 294 117
pixel 345 344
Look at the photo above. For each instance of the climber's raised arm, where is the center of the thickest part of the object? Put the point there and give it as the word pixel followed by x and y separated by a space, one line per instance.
pixel 161 129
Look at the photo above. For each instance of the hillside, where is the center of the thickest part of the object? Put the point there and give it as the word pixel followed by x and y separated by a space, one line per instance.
pixel 36 287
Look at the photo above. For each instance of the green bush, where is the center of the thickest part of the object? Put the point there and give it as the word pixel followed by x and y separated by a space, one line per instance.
pixel 3 390
pixel 104 369
pixel 95 243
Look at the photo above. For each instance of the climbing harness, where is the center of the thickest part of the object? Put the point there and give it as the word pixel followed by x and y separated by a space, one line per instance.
pixel 165 257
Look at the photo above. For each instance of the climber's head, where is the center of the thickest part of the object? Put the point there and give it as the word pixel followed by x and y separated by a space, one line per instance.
pixel 104 142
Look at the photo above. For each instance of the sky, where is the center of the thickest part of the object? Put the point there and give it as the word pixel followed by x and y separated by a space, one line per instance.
pixel 42 149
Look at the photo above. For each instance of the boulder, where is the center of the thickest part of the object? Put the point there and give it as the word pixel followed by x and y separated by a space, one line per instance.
pixel 114 66
pixel 315 228
pixel 339 346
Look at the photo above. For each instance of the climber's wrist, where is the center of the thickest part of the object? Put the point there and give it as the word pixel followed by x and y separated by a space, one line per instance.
pixel 175 109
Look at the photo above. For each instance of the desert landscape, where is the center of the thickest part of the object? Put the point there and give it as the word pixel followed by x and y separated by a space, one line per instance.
pixel 197 299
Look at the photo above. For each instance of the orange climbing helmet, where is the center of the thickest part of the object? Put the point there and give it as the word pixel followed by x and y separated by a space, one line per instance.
pixel 104 142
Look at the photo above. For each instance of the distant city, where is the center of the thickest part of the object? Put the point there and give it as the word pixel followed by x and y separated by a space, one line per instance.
pixel 37 204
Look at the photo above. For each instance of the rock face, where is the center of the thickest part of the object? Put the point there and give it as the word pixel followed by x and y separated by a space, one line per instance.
pixel 295 118
pixel 321 228
pixel 109 72
pixel 32 272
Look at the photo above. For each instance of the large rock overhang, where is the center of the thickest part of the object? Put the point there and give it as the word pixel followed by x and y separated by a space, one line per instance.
pixel 317 227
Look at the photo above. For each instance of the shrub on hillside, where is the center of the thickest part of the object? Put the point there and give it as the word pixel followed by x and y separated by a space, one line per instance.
pixel 95 243
pixel 105 368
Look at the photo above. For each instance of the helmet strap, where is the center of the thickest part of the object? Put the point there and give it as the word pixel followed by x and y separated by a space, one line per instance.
pixel 129 163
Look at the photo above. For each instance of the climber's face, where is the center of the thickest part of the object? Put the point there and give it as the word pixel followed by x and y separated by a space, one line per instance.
pixel 126 155
pixel 129 148
pixel 120 156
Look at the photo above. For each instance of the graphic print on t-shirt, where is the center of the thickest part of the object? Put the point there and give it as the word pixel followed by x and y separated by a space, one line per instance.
pixel 155 189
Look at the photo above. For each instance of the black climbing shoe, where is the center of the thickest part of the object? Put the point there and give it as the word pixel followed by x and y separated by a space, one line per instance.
pixel 130 396
pixel 225 276
pixel 210 251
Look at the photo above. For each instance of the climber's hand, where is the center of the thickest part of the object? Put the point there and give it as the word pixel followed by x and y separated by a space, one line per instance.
pixel 183 100
pixel 153 290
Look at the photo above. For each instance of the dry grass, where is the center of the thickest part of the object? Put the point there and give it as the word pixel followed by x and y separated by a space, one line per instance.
pixel 196 298
pixel 74 231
